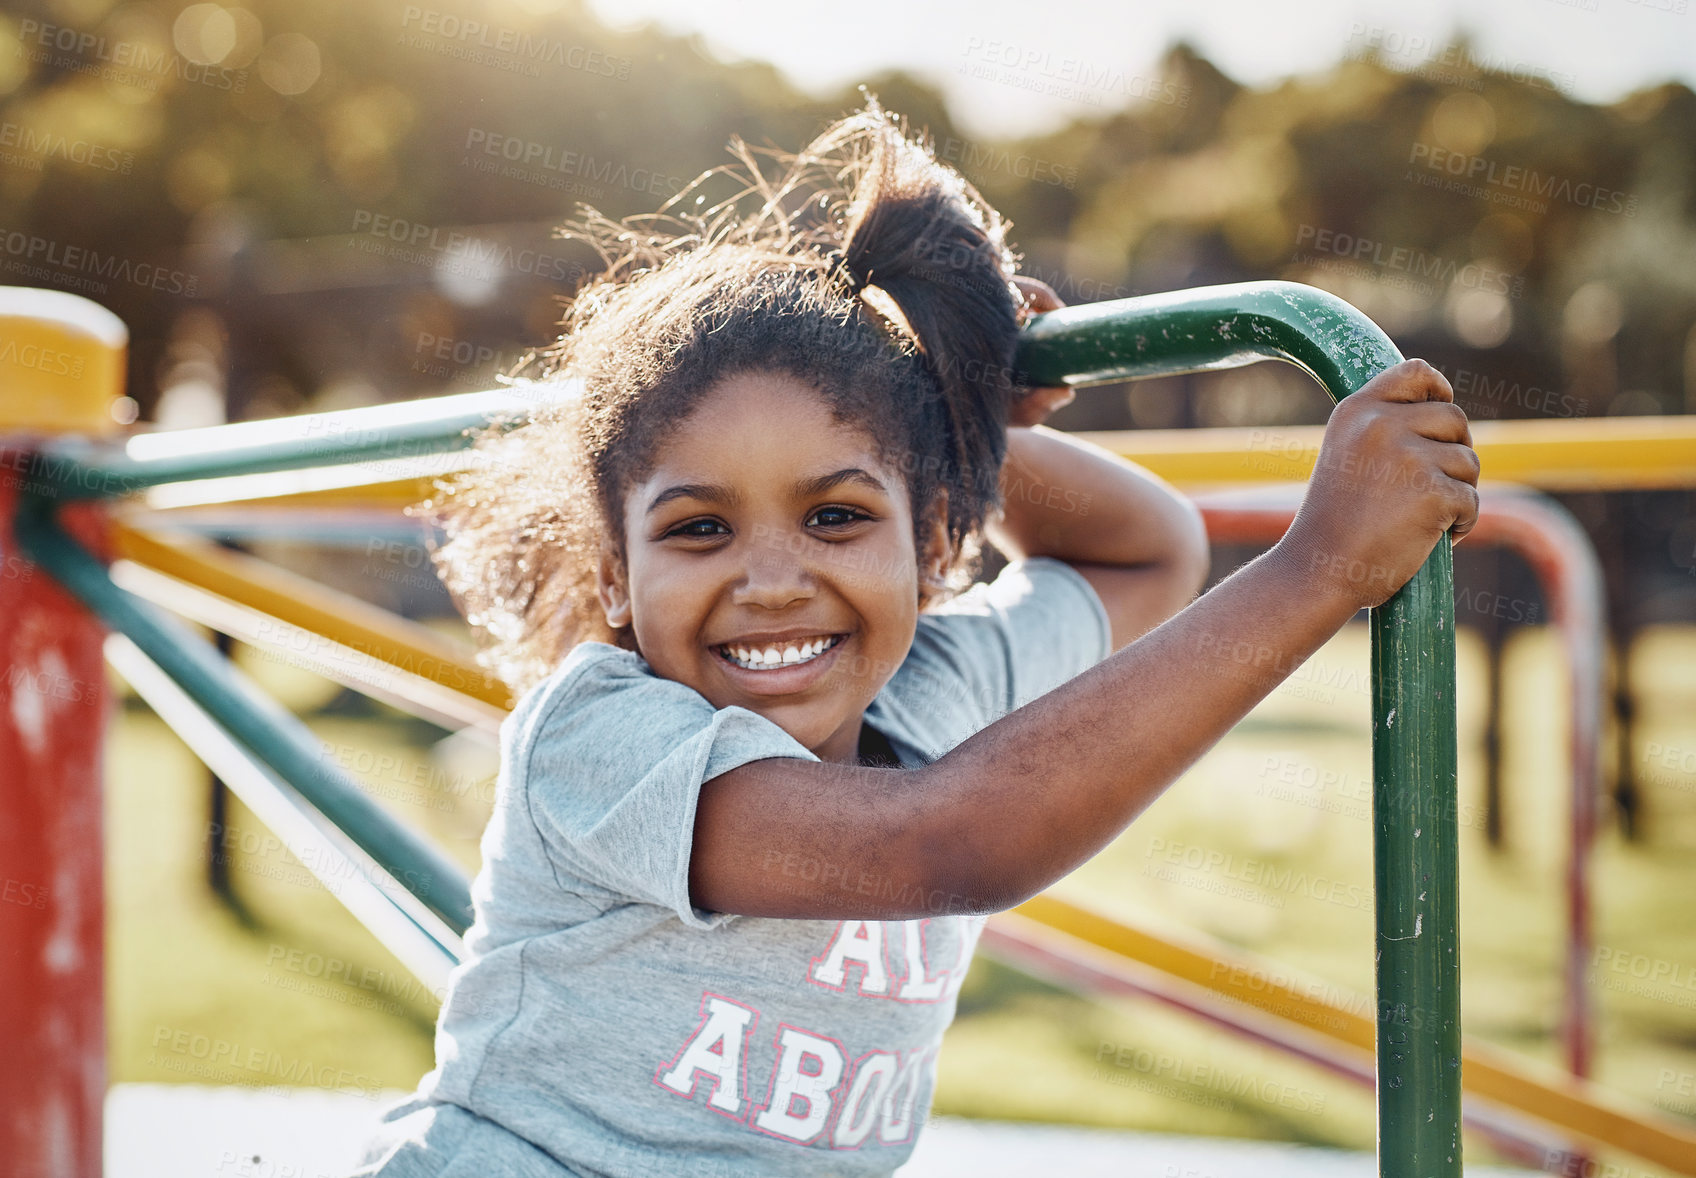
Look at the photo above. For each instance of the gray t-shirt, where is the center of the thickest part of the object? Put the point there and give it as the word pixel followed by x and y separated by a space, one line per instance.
pixel 602 1025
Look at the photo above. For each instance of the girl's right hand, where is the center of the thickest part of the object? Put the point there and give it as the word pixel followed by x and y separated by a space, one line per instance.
pixel 1395 472
pixel 1033 406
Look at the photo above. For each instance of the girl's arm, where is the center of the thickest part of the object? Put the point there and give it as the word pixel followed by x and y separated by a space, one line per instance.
pixel 1139 543
pixel 1029 798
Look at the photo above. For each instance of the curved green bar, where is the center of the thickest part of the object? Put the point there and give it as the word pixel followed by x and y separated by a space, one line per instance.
pixel 1205 328
pixel 1413 675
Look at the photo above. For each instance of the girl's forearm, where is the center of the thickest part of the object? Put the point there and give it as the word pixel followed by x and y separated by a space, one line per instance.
pixel 1072 500
pixel 1047 786
pixel 1024 801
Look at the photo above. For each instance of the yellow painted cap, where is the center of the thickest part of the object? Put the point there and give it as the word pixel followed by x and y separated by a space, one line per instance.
pixel 61 363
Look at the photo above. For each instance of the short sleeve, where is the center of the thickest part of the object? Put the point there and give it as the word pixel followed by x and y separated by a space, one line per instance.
pixel 613 758
pixel 1038 624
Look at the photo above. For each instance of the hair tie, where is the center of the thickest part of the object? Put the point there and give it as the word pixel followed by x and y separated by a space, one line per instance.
pixel 840 271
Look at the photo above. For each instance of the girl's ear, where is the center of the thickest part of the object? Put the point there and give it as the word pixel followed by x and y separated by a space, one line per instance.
pixel 610 588
pixel 938 554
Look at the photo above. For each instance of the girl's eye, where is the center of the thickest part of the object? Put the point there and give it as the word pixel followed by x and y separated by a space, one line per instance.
pixel 827 517
pixel 847 515
pixel 685 529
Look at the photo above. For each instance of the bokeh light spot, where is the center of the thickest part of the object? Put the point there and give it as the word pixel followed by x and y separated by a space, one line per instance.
pixel 290 63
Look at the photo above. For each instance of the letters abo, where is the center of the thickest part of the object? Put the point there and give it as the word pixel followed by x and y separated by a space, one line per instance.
pixel 820 1089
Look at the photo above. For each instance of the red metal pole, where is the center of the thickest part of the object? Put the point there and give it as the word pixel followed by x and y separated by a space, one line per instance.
pixel 61 360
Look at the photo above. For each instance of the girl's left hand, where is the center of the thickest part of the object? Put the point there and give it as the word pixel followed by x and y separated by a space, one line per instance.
pixel 1033 406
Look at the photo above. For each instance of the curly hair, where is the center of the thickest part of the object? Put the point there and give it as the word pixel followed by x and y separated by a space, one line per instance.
pixel 866 270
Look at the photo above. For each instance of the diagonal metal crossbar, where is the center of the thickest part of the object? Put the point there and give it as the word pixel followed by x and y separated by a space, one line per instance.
pixel 1413 698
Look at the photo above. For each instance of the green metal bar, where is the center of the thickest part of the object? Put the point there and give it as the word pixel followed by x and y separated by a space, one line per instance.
pixel 75 468
pixel 1206 328
pixel 1413 700
pixel 1416 875
pixel 273 735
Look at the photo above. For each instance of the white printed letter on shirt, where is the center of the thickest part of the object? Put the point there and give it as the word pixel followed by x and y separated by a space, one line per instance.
pixel 855 940
pixel 808 1067
pixel 860 1108
pixel 919 986
pixel 716 1049
pixel 900 1107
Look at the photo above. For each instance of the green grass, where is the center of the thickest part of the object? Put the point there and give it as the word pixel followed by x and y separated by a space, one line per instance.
pixel 1288 789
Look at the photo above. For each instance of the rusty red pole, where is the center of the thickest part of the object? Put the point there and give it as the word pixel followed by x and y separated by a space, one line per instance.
pixel 61 367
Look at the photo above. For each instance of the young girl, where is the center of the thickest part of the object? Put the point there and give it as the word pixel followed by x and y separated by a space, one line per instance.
pixel 773 766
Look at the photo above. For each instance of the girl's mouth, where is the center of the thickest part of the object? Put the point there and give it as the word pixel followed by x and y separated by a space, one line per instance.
pixel 777 657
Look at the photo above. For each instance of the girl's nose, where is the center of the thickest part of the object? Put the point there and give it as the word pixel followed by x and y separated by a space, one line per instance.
pixel 776 574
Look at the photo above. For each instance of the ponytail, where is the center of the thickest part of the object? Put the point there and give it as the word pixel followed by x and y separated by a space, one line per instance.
pixel 928 255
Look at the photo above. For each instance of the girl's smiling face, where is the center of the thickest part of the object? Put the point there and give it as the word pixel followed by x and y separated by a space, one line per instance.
pixel 767 530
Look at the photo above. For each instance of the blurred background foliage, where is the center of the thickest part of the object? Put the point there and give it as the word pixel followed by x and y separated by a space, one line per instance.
pixel 273 153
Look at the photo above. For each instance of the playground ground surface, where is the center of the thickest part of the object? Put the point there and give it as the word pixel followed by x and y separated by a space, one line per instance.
pixel 1265 846
pixel 183 1131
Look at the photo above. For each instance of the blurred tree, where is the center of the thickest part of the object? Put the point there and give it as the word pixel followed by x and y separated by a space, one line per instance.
pixel 364 194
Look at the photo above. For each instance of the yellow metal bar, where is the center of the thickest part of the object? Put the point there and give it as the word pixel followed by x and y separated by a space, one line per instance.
pixel 348 621
pixel 1599 454
pixel 1577 1108
pixel 1590 454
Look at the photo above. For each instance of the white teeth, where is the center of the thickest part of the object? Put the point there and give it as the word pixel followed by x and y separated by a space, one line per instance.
pixel 772 656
